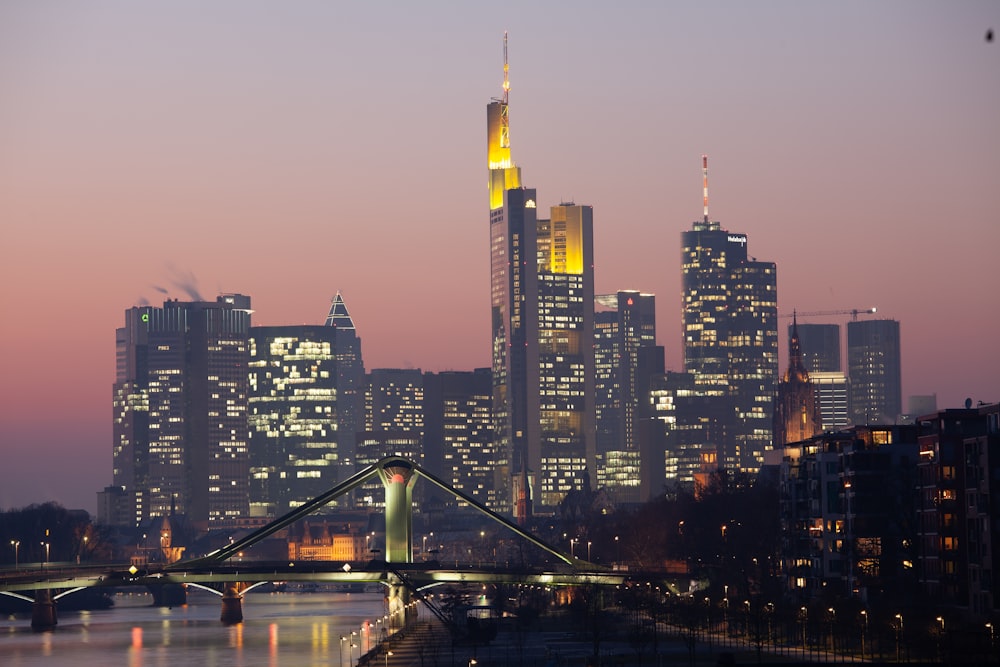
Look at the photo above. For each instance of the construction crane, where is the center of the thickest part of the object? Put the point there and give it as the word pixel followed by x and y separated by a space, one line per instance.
pixel 853 312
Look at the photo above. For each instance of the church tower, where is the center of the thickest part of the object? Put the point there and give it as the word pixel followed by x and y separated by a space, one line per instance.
pixel 796 416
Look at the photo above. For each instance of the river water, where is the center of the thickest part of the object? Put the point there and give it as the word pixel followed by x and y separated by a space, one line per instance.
pixel 291 629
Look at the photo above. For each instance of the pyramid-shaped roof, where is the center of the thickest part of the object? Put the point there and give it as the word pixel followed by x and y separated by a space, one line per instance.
pixel 338 316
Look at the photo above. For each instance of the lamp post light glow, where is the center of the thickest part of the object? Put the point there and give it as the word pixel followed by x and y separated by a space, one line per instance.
pixel 588 550
pixel 572 545
pixel 342 640
pixel 15 544
pixel 387 654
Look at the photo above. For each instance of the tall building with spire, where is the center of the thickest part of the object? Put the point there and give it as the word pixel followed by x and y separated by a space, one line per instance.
pixel 796 414
pixel 730 329
pixel 350 384
pixel 542 310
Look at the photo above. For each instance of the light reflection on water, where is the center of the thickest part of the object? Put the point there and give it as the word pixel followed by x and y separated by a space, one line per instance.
pixel 278 629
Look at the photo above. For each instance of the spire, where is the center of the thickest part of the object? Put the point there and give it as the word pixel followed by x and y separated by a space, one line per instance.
pixel 338 316
pixel 704 178
pixel 796 368
pixel 506 69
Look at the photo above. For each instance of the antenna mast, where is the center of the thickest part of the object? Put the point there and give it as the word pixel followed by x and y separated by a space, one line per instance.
pixel 704 170
pixel 506 81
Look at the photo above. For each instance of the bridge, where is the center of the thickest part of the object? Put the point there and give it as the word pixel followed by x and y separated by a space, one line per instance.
pixel 403 579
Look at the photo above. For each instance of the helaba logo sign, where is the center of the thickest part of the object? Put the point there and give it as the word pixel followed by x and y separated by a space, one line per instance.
pixel 737 238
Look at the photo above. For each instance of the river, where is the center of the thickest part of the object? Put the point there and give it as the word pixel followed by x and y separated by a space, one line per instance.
pixel 291 629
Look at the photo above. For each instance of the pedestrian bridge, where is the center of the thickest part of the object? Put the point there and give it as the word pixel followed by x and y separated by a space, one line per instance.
pixel 403 578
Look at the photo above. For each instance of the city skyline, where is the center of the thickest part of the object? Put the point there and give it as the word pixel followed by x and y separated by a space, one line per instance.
pixel 291 153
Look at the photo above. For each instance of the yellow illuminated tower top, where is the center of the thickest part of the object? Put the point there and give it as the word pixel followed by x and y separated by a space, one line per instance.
pixel 503 174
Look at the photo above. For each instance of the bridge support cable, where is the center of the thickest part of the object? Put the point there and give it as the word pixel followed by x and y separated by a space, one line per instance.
pixel 300 512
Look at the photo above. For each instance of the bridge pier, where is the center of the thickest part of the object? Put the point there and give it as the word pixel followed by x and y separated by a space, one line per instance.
pixel 232 604
pixel 43 611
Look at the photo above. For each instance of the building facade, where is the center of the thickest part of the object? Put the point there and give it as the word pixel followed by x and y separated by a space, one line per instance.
pixel 796 413
pixel 622 333
pixel 730 334
pixel 180 411
pixel 820 344
pixel 295 446
pixel 874 369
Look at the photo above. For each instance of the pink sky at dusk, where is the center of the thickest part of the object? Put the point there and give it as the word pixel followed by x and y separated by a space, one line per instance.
pixel 290 150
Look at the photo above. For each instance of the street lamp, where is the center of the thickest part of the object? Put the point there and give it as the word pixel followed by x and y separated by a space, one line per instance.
pixel 15 544
pixel 387 654
pixel 572 545
pixel 864 631
pixel 588 550
pixel 618 551
pixel 899 635
pixel 46 545
pixel 342 640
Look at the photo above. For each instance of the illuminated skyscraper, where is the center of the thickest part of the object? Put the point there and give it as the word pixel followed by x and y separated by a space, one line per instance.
pixel 620 336
pixel 731 334
pixel 565 454
pixel 350 383
pixel 541 294
pixel 180 410
pixel 295 448
pixel 874 369
pixel 458 438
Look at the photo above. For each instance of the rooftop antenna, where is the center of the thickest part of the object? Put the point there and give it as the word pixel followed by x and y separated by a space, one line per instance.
pixel 506 68
pixel 704 170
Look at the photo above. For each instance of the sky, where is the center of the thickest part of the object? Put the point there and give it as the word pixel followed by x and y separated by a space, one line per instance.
pixel 289 151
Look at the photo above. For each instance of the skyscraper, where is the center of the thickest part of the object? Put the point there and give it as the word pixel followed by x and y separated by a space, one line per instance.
pixel 458 440
pixel 295 447
pixel 874 369
pixel 350 382
pixel 514 315
pixel 180 410
pixel 564 457
pixel 622 387
pixel 731 334
pixel 820 345
pixel 542 310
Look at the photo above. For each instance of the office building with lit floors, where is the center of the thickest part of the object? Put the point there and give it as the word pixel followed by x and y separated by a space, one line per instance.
pixel 730 330
pixel 180 411
pixel 874 369
pixel 625 325
pixel 459 447
pixel 542 322
pixel 565 459
pixel 295 446
pixel 351 381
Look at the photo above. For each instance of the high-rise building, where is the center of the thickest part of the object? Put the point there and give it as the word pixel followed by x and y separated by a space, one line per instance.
pixel 731 334
pixel 542 310
pixel 874 369
pixel 458 438
pixel 820 345
pixel 350 383
pixel 796 415
pixel 622 388
pixel 564 454
pixel 295 447
pixel 180 410
pixel 830 389
pixel 393 424
pixel 514 318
